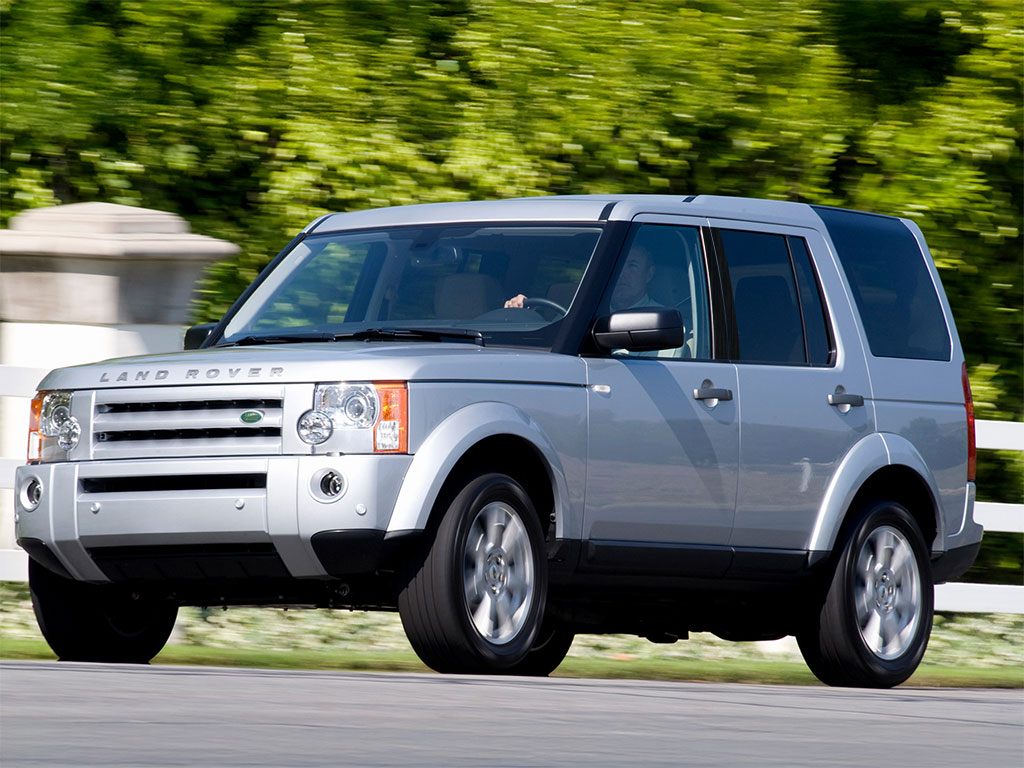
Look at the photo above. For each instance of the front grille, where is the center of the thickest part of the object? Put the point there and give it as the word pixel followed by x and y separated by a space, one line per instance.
pixel 186 405
pixel 187 421
pixel 142 484
pixel 186 434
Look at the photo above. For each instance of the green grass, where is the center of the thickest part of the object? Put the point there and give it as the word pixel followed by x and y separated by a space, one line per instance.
pixel 965 650
pixel 675 669
pixel 202 656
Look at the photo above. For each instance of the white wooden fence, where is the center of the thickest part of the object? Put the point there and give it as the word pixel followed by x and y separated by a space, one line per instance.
pixel 17 381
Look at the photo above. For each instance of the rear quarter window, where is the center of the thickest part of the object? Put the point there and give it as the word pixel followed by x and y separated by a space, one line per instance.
pixel 891 285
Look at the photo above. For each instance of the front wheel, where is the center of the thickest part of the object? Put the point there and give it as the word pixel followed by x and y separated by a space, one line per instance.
pixel 474 602
pixel 547 652
pixel 99 622
pixel 873 627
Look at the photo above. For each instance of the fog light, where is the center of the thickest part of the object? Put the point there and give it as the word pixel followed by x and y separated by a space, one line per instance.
pixel 327 485
pixel 332 484
pixel 314 427
pixel 31 494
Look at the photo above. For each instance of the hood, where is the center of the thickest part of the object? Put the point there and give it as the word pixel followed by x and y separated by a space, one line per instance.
pixel 327 361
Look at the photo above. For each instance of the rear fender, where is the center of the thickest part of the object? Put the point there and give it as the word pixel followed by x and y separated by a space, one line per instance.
pixel 872 453
pixel 903 453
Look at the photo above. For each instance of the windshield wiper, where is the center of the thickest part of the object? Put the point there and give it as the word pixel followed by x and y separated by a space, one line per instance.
pixel 413 334
pixel 291 338
pixel 368 334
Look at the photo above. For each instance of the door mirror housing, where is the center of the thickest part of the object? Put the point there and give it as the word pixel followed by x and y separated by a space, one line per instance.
pixel 643 329
pixel 197 334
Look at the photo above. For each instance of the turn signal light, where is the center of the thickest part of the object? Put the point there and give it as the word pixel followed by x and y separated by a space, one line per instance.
pixel 35 438
pixel 391 432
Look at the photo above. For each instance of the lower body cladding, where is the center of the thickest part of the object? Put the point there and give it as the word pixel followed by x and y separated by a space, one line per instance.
pixel 204 524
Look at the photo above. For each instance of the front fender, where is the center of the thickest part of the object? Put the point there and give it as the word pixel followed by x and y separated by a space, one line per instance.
pixel 450 440
pixel 866 457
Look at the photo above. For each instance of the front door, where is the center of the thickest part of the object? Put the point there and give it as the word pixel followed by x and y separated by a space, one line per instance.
pixel 664 426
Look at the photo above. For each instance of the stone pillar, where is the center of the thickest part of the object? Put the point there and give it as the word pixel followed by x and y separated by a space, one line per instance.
pixel 86 282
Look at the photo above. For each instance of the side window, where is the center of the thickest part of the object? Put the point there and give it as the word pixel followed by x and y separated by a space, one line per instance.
pixel 820 346
pixel 769 327
pixel 663 266
pixel 891 285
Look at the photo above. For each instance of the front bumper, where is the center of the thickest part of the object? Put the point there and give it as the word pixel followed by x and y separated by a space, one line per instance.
pixel 89 510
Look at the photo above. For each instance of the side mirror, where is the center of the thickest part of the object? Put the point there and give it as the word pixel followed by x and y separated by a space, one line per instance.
pixel 640 330
pixel 197 334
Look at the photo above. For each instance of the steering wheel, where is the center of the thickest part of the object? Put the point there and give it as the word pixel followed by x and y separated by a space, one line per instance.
pixel 535 302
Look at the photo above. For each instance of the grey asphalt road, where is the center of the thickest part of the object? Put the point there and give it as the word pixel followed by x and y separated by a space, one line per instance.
pixel 90 715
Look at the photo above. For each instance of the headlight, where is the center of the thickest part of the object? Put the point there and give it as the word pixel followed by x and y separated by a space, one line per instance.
pixel 52 425
pixel 348 405
pixel 380 406
pixel 56 410
pixel 314 427
pixel 69 433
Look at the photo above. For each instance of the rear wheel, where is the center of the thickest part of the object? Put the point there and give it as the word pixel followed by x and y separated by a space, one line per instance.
pixel 99 622
pixel 873 627
pixel 474 602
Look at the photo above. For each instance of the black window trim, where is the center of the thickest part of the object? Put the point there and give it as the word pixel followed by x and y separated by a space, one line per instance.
pixel 799 301
pixel 826 316
pixel 719 296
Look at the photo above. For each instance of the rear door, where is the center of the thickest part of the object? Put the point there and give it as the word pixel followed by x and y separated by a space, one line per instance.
pixel 803 386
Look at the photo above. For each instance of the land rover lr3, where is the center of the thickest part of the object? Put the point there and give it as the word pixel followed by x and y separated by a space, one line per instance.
pixel 515 421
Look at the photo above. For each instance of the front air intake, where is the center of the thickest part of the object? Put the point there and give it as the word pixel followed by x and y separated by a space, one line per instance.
pixel 142 484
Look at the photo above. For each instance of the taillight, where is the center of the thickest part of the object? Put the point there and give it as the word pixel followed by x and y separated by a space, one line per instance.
pixel 972 449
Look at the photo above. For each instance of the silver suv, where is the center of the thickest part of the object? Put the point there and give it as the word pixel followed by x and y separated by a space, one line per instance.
pixel 516 421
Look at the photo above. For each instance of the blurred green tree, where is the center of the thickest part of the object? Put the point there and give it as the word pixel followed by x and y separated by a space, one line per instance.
pixel 251 118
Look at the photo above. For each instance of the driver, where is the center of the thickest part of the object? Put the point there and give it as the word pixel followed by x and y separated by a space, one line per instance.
pixel 631 288
pixel 516 302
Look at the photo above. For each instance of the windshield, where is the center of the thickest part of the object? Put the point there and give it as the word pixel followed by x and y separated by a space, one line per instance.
pixel 424 278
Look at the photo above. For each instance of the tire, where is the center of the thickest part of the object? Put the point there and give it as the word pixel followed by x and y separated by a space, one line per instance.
pixel 473 602
pixel 873 627
pixel 547 652
pixel 99 622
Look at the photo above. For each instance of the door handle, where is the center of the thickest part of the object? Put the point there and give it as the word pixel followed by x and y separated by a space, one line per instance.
pixel 844 398
pixel 708 392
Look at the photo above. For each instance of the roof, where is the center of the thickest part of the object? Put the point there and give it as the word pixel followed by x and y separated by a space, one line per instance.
pixel 577 208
